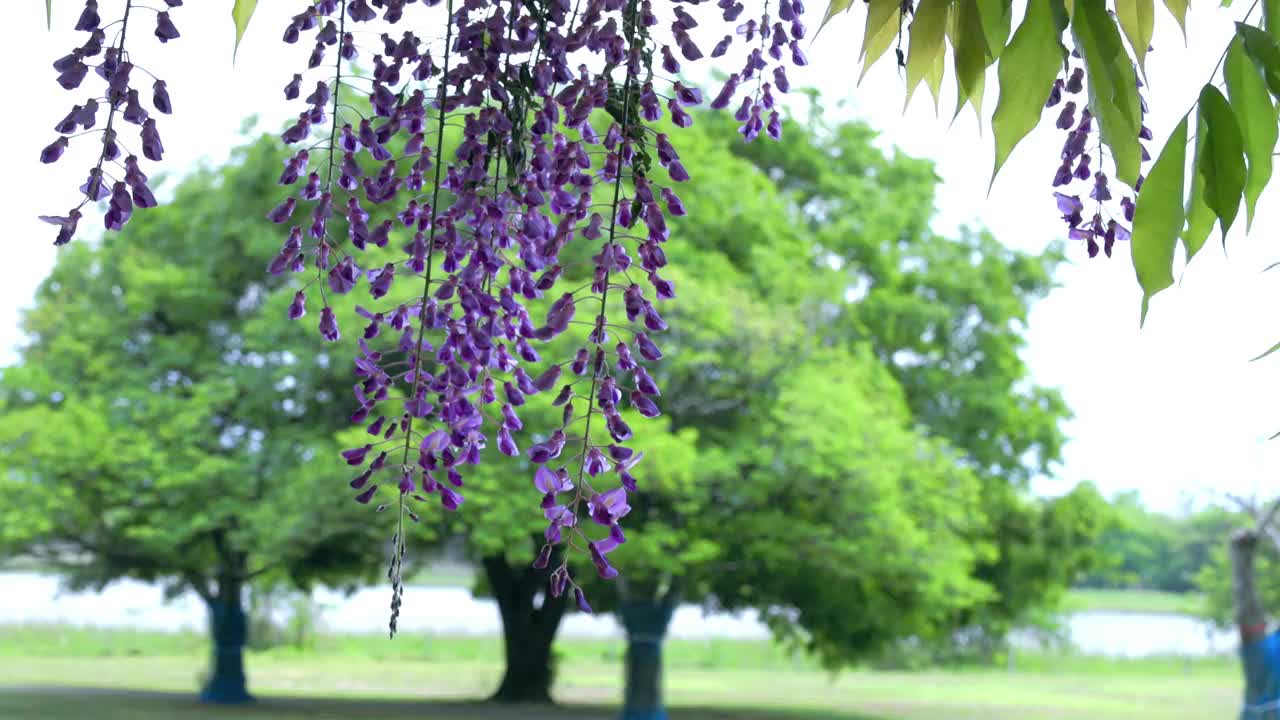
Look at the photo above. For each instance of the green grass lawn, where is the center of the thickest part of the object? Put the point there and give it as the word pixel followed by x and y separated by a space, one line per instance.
pixel 159 706
pixel 47 673
pixel 338 689
pixel 1137 601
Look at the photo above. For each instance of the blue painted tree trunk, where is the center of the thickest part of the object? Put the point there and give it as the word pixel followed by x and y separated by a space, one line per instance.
pixel 229 628
pixel 646 622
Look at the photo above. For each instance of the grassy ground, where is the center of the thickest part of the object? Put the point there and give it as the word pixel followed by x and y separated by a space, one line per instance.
pixel 1137 601
pixel 987 695
pixel 163 706
pixel 47 672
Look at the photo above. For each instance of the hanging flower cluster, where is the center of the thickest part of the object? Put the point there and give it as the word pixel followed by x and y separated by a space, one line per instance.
pixel 121 182
pixel 1092 219
pixel 549 107
pixel 554 170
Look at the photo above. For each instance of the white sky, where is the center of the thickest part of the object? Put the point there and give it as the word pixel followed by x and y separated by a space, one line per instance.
pixel 1174 410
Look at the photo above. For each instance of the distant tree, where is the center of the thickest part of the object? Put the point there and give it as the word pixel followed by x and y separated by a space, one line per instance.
pixel 1145 549
pixel 1215 577
pixel 1201 540
pixel 166 422
pixel 1136 545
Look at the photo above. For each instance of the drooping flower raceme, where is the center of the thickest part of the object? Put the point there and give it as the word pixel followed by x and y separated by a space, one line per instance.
pixel 474 258
pixel 1104 214
pixel 494 180
pixel 116 176
pixel 553 170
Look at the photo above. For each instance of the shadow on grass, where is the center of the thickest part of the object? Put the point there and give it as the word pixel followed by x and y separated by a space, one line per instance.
pixel 70 703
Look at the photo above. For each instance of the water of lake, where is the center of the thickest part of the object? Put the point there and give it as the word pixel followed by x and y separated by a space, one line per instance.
pixel 38 598
pixel 1123 634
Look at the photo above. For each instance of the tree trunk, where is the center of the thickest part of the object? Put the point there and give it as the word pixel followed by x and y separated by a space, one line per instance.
pixel 646 620
pixel 528 632
pixel 229 628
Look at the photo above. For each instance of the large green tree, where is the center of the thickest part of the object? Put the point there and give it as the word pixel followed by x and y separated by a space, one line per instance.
pixel 848 263
pixel 166 422
pixel 808 268
pixel 814 472
pixel 945 316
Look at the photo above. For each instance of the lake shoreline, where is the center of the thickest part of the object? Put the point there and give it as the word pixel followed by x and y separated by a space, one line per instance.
pixel 37 598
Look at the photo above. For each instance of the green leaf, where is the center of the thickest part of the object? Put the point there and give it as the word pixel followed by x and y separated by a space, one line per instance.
pixel 1063 11
pixel 1222 162
pixel 1270 350
pixel 1137 19
pixel 241 12
pixel 1271 17
pixel 1113 92
pixel 1026 74
pixel 933 78
pixel 835 8
pixel 1179 10
pixel 1265 51
pixel 972 54
pixel 1158 218
pixel 928 34
pixel 997 18
pixel 1199 216
pixel 882 28
pixel 1248 93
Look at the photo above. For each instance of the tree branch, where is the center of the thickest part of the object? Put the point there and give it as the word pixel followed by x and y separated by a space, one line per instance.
pixel 199 585
pixel 1269 517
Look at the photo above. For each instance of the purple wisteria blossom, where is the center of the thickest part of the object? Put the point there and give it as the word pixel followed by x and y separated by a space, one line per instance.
pixel 482 229
pixel 1100 228
pixel 123 183
pixel 494 176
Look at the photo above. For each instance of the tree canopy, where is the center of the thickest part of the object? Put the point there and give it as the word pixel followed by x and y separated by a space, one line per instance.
pixel 165 422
